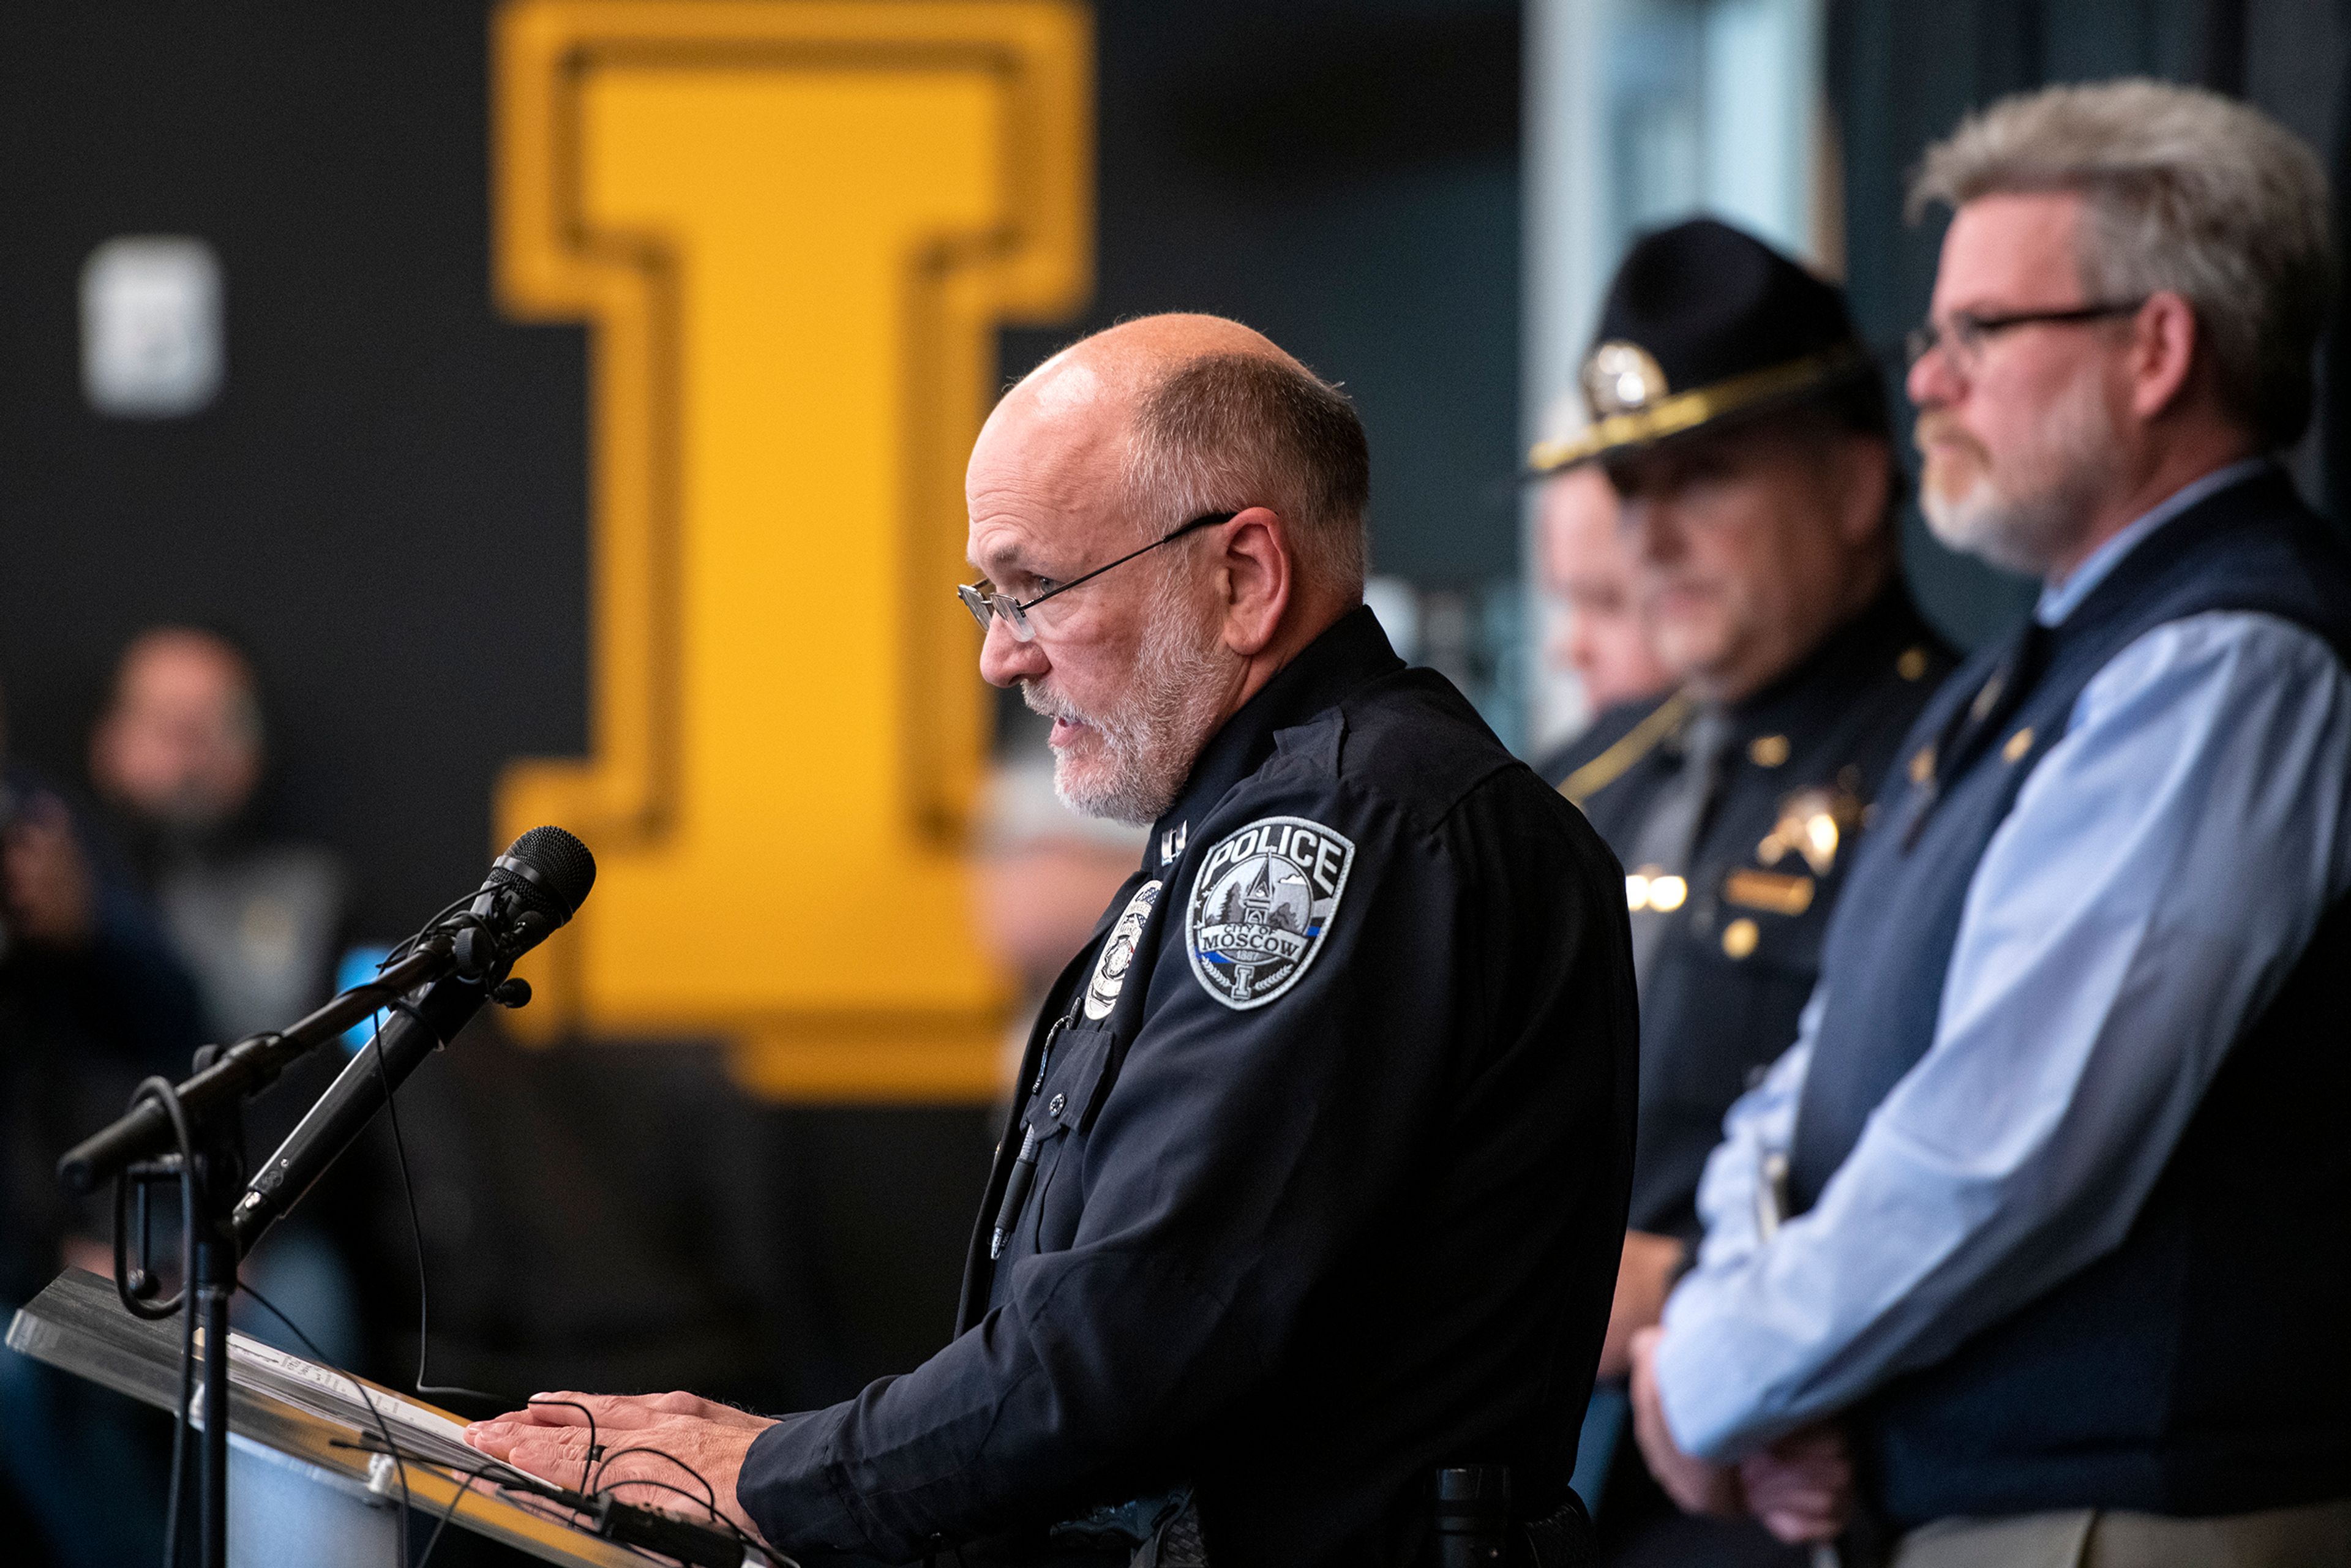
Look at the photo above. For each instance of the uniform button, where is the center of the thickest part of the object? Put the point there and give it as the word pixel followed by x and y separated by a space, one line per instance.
pixel 1739 938
pixel 1768 750
pixel 1911 665
pixel 1053 1106
pixel 2018 745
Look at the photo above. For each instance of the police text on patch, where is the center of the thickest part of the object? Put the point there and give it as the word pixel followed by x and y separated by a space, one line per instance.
pixel 1261 905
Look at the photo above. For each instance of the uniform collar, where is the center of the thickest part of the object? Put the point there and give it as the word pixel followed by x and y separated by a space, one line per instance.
pixel 2059 600
pixel 1351 652
pixel 1855 655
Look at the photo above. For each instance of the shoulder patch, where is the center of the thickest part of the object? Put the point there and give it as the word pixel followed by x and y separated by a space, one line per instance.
pixel 1117 954
pixel 1262 904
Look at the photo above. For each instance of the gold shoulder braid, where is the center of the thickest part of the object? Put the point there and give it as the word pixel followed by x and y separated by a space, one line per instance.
pixel 1634 744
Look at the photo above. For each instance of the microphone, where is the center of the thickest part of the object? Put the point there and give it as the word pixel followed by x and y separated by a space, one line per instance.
pixel 532 889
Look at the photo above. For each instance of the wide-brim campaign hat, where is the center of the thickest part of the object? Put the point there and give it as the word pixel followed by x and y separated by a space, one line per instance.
pixel 1704 324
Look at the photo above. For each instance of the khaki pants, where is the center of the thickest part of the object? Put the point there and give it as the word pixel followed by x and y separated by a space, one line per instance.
pixel 2317 1535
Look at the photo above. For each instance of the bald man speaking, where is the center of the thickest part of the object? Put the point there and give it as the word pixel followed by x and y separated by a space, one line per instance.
pixel 1318 1179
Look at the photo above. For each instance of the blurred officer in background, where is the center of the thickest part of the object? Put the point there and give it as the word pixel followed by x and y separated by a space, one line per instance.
pixel 91 1001
pixel 1587 568
pixel 1040 873
pixel 1318 1181
pixel 1741 424
pixel 2063 1127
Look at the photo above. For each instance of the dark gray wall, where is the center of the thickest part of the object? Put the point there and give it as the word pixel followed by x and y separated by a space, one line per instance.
pixel 1902 75
pixel 1344 177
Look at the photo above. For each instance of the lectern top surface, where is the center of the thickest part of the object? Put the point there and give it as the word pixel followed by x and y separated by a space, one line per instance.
pixel 309 1413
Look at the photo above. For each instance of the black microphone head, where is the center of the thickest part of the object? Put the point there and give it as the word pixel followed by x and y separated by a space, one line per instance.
pixel 549 870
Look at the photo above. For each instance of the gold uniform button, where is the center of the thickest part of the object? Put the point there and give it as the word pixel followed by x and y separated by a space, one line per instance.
pixel 1768 750
pixel 1922 765
pixel 2018 745
pixel 1911 665
pixel 1739 938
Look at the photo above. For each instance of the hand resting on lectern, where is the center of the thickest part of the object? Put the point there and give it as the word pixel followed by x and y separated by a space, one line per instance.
pixel 655 1450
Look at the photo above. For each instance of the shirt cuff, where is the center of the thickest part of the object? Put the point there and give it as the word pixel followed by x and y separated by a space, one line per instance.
pixel 791 1489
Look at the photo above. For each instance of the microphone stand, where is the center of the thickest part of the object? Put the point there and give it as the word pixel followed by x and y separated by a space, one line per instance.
pixel 210 1098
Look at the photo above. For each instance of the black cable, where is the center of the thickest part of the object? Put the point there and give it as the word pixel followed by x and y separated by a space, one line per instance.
pixel 408 1192
pixel 416 1231
pixel 589 1456
pixel 708 1499
pixel 451 1511
pixel 735 1532
pixel 709 1492
pixel 161 1091
pixel 382 1426
pixel 408 945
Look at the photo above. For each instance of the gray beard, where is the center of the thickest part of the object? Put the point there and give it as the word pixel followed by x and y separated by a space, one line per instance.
pixel 2069 469
pixel 1149 744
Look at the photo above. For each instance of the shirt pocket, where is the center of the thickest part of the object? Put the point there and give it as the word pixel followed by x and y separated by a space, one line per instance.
pixel 1061 1111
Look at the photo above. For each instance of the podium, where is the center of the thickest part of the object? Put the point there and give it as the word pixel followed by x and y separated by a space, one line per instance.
pixel 308 1482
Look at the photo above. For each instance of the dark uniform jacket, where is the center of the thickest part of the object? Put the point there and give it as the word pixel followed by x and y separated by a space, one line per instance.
pixel 1741 950
pixel 1334 1129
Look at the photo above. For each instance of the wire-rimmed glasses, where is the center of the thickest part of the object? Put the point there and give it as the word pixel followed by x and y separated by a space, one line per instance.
pixel 1964 337
pixel 984 599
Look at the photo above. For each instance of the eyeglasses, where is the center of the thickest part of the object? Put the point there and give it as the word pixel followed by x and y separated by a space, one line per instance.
pixel 983 599
pixel 1962 340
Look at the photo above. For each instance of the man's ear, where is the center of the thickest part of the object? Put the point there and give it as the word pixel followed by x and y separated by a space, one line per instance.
pixel 1866 471
pixel 1255 575
pixel 2165 337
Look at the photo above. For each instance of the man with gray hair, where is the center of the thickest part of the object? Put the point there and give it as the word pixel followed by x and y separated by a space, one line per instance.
pixel 2059 1138
pixel 1316 1186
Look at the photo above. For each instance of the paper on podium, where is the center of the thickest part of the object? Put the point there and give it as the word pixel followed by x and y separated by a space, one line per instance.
pixel 309 1421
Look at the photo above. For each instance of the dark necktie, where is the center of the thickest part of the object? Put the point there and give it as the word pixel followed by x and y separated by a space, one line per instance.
pixel 1666 850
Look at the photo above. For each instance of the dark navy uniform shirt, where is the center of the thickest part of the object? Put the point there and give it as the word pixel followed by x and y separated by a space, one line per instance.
pixel 1335 1132
pixel 1745 912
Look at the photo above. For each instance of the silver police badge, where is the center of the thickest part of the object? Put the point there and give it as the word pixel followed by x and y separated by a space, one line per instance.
pixel 1117 954
pixel 1261 905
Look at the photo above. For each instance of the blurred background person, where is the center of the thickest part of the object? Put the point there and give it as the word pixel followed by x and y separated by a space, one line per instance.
pixel 1759 550
pixel 1587 569
pixel 2067 1100
pixel 180 758
pixel 91 1001
pixel 1044 872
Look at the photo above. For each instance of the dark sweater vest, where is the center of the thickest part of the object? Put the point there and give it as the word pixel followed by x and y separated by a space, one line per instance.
pixel 2204 1366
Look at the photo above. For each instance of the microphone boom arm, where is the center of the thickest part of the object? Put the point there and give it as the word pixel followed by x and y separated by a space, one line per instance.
pixel 243 1070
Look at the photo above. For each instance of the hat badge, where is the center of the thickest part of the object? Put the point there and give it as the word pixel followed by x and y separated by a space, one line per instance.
pixel 1621 378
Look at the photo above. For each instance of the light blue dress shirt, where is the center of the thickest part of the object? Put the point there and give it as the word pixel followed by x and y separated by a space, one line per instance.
pixel 2162 869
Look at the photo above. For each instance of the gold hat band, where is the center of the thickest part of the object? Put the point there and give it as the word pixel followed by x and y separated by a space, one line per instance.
pixel 1687 410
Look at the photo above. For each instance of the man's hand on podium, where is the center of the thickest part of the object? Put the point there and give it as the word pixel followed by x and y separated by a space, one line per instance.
pixel 640 1439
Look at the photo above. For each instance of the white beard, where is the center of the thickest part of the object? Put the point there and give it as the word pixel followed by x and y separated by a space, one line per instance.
pixel 2025 520
pixel 1144 749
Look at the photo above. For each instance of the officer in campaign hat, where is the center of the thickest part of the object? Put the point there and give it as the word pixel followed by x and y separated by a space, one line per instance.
pixel 1743 427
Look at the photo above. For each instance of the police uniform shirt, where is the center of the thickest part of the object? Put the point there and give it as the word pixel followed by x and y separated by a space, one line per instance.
pixel 1731 929
pixel 1332 1131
